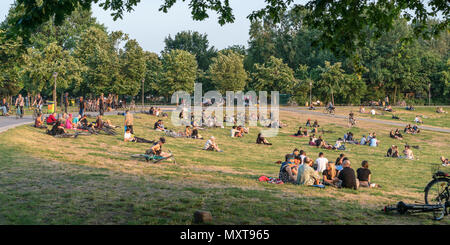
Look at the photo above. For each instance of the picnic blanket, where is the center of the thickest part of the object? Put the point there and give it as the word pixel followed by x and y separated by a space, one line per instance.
pixel 300 136
pixel 270 180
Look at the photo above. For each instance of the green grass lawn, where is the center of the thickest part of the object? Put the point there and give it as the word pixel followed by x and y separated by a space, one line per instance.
pixel 93 180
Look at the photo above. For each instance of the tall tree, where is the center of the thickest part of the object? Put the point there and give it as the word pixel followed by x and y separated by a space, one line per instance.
pixel 180 72
pixel 133 68
pixel 330 78
pixel 195 43
pixel 274 75
pixel 227 72
pixel 11 60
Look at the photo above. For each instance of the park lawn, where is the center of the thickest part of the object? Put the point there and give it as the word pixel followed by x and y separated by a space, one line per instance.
pixel 428 115
pixel 93 180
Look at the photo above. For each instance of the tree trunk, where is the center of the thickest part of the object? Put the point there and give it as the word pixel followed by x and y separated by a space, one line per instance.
pixel 395 95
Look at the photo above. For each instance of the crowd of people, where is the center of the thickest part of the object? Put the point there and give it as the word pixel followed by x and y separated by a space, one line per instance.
pixel 300 169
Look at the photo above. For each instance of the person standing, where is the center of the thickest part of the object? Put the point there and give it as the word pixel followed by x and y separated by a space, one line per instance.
pixel 4 106
pixel 82 106
pixel 129 121
pixel 101 104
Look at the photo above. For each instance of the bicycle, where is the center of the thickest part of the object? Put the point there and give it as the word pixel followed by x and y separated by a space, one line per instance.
pixel 36 112
pixel 329 110
pixel 437 193
pixel 19 112
pixel 351 122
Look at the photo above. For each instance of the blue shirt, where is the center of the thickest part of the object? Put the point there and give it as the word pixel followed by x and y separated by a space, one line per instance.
pixel 373 142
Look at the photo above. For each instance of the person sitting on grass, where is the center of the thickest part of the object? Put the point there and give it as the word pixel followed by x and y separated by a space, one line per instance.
pixel 347 176
pixel 417 120
pixel 301 132
pixel 242 130
pixel 410 108
pixel 440 110
pixel 156 149
pixel 262 140
pixel 38 123
pixel 339 160
pixel 395 135
pixel 312 140
pixel 195 134
pixel 129 121
pixel 235 133
pixel 364 176
pixel 398 134
pixel 57 129
pixel 415 129
pixel 316 124
pixel 444 161
pixel 99 122
pixel 188 132
pixel 373 141
pixel 408 153
pixel 315 130
pixel 129 137
pixel 393 152
pixel 339 145
pixel 211 145
pixel 329 175
pixel 288 170
pixel 306 175
pixel 69 124
pixel 363 140
pixel 159 126
pixel 308 123
pixel 51 120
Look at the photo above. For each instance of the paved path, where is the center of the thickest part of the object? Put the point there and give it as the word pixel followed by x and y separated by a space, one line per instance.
pixel 11 122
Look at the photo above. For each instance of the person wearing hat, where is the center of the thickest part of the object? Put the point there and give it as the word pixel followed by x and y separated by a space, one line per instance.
pixel 211 145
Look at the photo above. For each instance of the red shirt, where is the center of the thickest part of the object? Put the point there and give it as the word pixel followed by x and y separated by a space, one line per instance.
pixel 51 119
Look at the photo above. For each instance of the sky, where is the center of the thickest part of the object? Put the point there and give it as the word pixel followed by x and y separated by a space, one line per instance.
pixel 150 27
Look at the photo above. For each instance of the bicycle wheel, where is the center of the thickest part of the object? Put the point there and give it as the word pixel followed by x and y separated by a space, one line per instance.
pixel 437 193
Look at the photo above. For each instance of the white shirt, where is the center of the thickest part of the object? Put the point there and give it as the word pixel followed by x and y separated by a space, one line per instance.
pixel 372 112
pixel 128 137
pixel 321 163
pixel 208 144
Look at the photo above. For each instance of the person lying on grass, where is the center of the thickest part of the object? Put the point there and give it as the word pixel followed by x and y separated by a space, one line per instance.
pixel 444 161
pixel 129 137
pixel 306 175
pixel 393 152
pixel 156 149
pixel 408 153
pixel 288 170
pixel 418 120
pixel 364 176
pixel 320 143
pixel 211 145
pixel 339 145
pixel 301 132
pixel 262 140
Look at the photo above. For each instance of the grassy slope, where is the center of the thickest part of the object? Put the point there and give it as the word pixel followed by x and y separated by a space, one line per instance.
pixel 92 180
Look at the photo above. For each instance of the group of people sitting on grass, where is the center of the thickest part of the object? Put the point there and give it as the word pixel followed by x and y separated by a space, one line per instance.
pixel 239 131
pixel 396 134
pixel 301 132
pixel 411 129
pixel 440 110
pixel 371 140
pixel 407 152
pixel 302 170
pixel 321 143
pixel 156 111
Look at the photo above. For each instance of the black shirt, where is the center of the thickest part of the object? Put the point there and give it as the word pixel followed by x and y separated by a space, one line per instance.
pixel 363 174
pixel 347 175
pixel 327 173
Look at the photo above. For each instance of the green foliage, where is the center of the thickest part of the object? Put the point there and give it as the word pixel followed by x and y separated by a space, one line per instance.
pixel 195 43
pixel 39 67
pixel 180 72
pixel 153 74
pixel 133 68
pixel 274 75
pixel 10 82
pixel 227 72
